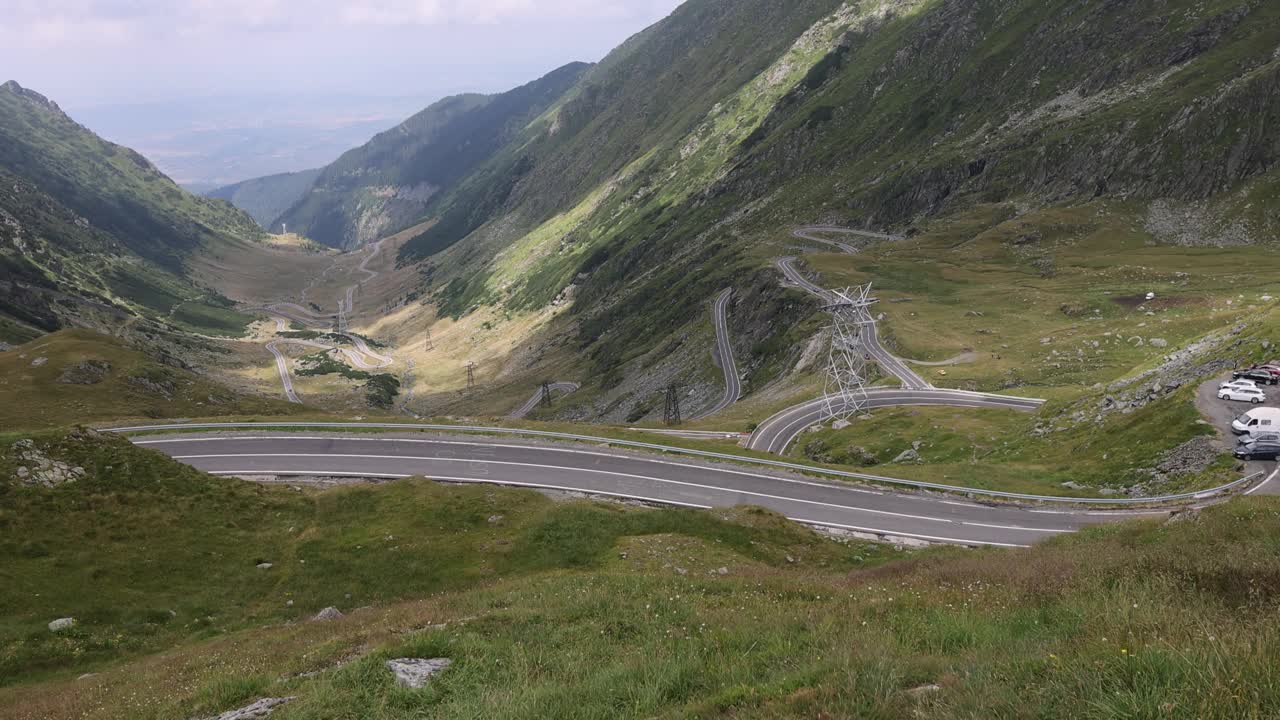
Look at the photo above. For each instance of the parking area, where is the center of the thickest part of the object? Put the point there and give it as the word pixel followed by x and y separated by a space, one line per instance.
pixel 1221 412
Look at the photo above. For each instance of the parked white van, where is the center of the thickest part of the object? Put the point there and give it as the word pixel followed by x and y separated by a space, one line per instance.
pixel 1257 420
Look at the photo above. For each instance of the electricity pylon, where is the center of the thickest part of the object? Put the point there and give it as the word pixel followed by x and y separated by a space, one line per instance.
pixel 671 409
pixel 848 355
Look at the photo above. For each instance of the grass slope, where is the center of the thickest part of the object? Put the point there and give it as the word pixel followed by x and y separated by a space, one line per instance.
pixel 133 385
pixel 266 198
pixel 583 610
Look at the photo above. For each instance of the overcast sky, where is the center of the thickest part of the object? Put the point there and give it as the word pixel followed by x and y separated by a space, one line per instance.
pixel 88 52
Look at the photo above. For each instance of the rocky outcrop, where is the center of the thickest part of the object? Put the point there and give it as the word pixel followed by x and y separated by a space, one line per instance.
pixel 255 711
pixel 328 614
pixel 89 372
pixel 36 469
pixel 415 672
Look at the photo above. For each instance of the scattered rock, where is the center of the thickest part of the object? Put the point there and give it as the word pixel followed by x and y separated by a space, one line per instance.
pixel 1191 457
pixel 840 424
pixel 264 566
pixel 974 313
pixel 723 571
pixel 87 676
pixel 327 614
pixel 924 690
pixel 89 372
pixel 1158 342
pixel 62 624
pixel 1184 515
pixel 495 519
pixel 36 469
pixel 415 672
pixel 39 361
pixel 907 456
pixel 255 711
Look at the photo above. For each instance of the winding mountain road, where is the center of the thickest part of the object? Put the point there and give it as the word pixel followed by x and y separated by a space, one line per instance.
pixel 811 233
pixel 613 472
pixel 887 361
pixel 362 356
pixel 724 355
pixel 776 433
pixel 532 402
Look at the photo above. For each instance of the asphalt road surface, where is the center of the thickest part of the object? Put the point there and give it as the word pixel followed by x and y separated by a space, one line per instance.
pixel 724 355
pixel 813 232
pixel 363 356
pixel 532 402
pixel 780 430
pixel 615 473
pixel 887 361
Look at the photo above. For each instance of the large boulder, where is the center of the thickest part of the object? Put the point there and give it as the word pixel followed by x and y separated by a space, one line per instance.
pixel 327 614
pixel 415 672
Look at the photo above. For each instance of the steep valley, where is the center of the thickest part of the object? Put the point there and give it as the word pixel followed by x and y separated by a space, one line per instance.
pixel 540 391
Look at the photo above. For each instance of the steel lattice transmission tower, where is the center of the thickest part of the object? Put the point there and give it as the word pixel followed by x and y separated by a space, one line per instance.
pixel 671 405
pixel 849 353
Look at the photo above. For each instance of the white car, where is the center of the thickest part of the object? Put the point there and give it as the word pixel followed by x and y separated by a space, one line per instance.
pixel 1255 396
pixel 1238 384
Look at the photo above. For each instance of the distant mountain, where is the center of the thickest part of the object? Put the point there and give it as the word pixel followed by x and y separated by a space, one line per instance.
pixel 91 231
pixel 390 182
pixel 206 142
pixel 266 198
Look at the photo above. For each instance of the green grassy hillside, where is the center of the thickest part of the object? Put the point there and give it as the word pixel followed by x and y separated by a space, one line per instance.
pixel 91 233
pixel 82 376
pixel 266 199
pixel 112 187
pixel 589 610
pixel 388 184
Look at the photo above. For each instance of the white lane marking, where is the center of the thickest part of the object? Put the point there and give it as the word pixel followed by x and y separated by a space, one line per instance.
pixel 1013 527
pixel 1270 477
pixel 572 451
pixel 611 456
pixel 649 478
pixel 625 496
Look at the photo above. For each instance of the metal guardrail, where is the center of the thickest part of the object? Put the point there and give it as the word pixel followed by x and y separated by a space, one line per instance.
pixel 916 484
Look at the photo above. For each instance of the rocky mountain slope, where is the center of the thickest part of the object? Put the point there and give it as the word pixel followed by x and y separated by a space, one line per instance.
pixel 687 143
pixel 388 183
pixel 266 198
pixel 632 191
pixel 91 232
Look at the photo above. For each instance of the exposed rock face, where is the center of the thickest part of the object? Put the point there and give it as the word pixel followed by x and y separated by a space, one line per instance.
pixel 415 672
pixel 89 372
pixel 35 469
